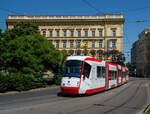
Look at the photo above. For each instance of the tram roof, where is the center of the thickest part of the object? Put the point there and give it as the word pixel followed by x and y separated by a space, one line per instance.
pixel 77 57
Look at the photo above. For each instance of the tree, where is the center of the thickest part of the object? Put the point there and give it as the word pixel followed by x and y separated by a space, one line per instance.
pixel 128 64
pixel 2 49
pixel 31 54
pixel 21 29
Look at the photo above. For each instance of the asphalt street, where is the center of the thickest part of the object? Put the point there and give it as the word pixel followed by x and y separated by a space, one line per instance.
pixel 129 98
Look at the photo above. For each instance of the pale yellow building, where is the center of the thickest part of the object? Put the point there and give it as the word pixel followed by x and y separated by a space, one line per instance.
pixel 98 33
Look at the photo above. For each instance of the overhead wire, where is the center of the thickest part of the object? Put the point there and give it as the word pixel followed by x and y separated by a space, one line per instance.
pixel 93 7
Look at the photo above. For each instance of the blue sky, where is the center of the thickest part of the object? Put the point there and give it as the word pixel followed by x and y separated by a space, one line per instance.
pixel 133 10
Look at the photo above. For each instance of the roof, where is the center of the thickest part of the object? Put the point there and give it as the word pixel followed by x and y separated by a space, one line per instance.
pixel 82 58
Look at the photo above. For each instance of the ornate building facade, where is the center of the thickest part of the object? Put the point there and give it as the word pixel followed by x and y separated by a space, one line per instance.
pixel 79 34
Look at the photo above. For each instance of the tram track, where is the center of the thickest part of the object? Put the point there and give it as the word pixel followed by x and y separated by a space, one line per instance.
pixel 106 100
pixel 124 103
pixel 102 104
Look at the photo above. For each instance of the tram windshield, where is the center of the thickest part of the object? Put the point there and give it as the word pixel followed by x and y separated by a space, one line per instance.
pixel 73 68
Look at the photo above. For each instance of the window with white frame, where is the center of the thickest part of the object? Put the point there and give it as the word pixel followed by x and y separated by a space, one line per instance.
pixel 64 44
pixel 100 33
pixel 71 33
pixel 79 33
pixel 57 33
pixel 114 32
pixel 113 44
pixel 44 33
pixel 57 44
pixel 65 33
pixel 93 44
pixel 86 33
pixel 93 33
pixel 78 44
pixel 100 44
pixel 71 44
pixel 50 33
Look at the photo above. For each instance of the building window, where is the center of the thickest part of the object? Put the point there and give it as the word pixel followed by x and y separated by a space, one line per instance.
pixel 86 33
pixel 114 33
pixel 65 33
pixel 44 33
pixel 100 44
pixel 93 44
pixel 57 44
pixel 93 33
pixel 64 44
pixel 78 44
pixel 100 33
pixel 57 33
pixel 50 33
pixel 71 44
pixel 71 33
pixel 113 44
pixel 79 33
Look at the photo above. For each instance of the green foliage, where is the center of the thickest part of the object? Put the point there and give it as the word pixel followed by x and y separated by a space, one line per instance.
pixel 22 82
pixel 31 54
pixel 25 56
pixel 21 29
pixel 128 65
pixel 3 83
pixel 58 79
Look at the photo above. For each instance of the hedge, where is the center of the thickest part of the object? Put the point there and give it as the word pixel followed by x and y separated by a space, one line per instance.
pixel 21 82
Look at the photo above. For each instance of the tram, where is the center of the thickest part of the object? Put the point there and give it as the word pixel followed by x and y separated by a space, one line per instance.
pixel 86 75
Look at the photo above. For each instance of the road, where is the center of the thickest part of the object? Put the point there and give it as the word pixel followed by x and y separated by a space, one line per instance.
pixel 129 98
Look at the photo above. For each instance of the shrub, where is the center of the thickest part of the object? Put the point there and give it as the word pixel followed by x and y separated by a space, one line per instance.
pixel 3 83
pixel 58 79
pixel 22 82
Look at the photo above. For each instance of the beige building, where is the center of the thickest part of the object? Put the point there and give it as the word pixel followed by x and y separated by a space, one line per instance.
pixel 79 34
pixel 140 54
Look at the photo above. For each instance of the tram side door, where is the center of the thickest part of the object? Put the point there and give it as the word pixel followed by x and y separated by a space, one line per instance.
pixel 93 77
pixel 85 80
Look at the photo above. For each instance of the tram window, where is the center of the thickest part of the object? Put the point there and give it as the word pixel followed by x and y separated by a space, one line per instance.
pixel 87 69
pixel 72 68
pixel 100 72
pixel 103 72
pixel 112 75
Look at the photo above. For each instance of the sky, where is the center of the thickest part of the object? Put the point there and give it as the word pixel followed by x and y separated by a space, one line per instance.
pixel 136 13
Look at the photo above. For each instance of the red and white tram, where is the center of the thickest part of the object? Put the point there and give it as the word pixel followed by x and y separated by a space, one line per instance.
pixel 85 75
